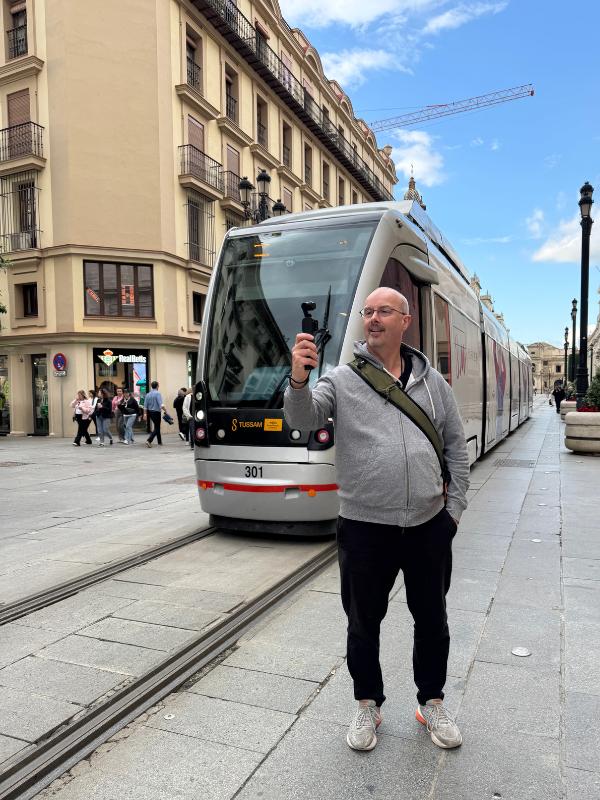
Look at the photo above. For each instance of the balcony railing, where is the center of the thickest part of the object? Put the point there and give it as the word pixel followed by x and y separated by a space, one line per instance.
pixel 194 75
pixel 232 185
pixel 21 140
pixel 17 41
pixel 287 155
pixel 197 164
pixel 240 32
pixel 21 240
pixel 231 107
pixel 261 134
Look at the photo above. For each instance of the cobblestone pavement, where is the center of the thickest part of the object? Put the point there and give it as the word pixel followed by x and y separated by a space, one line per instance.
pixel 268 722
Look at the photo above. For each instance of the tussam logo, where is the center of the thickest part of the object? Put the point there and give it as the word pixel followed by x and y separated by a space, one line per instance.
pixel 235 423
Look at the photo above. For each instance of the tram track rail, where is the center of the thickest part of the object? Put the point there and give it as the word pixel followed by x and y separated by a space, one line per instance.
pixel 27 775
pixel 61 591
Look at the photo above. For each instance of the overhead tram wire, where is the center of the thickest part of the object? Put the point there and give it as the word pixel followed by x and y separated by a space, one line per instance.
pixel 456 107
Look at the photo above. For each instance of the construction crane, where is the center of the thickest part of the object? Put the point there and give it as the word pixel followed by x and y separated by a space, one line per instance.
pixel 458 107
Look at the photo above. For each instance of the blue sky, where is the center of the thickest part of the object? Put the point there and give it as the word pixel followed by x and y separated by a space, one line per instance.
pixel 501 183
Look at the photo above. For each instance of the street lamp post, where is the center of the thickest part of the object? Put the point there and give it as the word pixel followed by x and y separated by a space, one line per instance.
pixel 585 206
pixel 566 350
pixel 591 362
pixel 263 179
pixel 574 320
pixel 261 213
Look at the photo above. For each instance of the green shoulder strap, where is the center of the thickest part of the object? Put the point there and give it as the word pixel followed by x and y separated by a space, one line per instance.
pixel 388 388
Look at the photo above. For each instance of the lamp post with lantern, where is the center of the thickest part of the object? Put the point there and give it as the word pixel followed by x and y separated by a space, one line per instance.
pixel 585 206
pixel 566 351
pixel 574 321
pixel 262 212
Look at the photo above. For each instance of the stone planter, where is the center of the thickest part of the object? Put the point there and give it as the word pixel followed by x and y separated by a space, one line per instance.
pixel 566 406
pixel 582 431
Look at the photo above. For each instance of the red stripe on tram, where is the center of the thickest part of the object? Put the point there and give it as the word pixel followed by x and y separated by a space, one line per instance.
pixel 245 487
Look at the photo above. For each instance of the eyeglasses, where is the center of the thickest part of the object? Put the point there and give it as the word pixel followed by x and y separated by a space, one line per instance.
pixel 384 311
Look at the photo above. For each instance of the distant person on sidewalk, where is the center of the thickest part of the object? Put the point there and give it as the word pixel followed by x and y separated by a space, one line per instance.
pixel 116 410
pixel 153 407
pixel 130 410
pixel 559 395
pixel 82 410
pixel 187 415
pixel 93 398
pixel 178 406
pixel 103 415
pixel 403 474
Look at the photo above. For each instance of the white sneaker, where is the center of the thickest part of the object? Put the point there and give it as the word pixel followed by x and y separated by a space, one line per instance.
pixel 124 442
pixel 362 733
pixel 443 730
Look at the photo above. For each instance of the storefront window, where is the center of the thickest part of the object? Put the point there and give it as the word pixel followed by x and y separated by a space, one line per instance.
pixel 122 369
pixel 39 376
pixel 4 396
pixel 118 290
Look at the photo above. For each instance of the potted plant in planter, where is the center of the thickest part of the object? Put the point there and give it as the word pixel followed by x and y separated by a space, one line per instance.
pixel 582 431
pixel 592 399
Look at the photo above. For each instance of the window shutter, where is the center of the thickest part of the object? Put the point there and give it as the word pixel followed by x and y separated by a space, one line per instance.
pixel 233 160
pixel 18 108
pixel 196 134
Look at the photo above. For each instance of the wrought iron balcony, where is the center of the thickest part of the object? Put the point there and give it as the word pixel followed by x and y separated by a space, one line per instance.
pixel 21 140
pixel 231 107
pixel 197 164
pixel 241 34
pixel 17 41
pixel 194 75
pixel 232 185
pixel 19 240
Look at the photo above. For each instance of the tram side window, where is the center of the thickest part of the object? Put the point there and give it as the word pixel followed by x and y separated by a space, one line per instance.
pixel 395 276
pixel 442 338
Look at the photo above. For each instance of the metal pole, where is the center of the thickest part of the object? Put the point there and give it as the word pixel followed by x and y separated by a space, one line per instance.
pixel 566 348
pixel 582 371
pixel 574 318
pixel 591 362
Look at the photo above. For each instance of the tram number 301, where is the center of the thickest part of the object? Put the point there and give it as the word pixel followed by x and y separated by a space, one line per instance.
pixel 253 472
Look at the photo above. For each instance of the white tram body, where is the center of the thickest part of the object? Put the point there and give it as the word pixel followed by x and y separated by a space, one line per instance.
pixel 252 469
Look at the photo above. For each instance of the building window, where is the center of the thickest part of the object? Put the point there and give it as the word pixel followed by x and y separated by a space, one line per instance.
pixel 231 93
pixel 341 191
pixel 198 300
pixel 558 368
pixel 286 138
pixel 326 180
pixel 545 363
pixel 261 122
pixel 354 198
pixel 18 217
pixel 29 299
pixel 201 228
pixel 17 35
pixel 308 164
pixel 194 62
pixel 286 71
pixel 288 200
pixel 233 220
pixel 118 290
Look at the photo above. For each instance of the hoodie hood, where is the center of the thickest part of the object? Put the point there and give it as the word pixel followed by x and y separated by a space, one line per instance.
pixel 420 363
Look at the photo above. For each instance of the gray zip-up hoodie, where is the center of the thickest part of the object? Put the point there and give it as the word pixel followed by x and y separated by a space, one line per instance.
pixel 387 469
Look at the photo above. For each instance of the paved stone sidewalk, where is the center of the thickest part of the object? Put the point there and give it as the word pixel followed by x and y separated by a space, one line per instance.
pixel 67 510
pixel 268 723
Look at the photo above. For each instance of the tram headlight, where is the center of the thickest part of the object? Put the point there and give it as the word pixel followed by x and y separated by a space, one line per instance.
pixel 200 415
pixel 199 395
pixel 221 433
pixel 295 435
pixel 200 434
pixel 322 436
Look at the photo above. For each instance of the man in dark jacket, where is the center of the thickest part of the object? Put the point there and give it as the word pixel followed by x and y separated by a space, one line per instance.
pixel 393 510
pixel 559 395
pixel 184 428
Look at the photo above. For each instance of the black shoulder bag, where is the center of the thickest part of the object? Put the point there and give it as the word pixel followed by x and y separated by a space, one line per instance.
pixel 388 388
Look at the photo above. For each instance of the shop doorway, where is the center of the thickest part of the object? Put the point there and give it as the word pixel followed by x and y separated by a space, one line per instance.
pixel 123 369
pixel 4 397
pixel 39 385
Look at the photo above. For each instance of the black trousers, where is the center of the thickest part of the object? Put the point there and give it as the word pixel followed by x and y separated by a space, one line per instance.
pixel 370 557
pixel 82 430
pixel 155 419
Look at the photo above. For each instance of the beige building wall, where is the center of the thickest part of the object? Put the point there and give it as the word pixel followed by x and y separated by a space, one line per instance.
pixel 95 173
pixel 548 365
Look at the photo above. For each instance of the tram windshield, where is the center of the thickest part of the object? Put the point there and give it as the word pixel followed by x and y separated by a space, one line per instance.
pixel 263 280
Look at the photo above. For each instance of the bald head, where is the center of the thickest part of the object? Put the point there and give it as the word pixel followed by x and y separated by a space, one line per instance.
pixel 384 296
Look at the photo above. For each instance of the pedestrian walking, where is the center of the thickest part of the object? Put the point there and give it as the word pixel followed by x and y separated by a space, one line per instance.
pixel 187 415
pixel 116 410
pixel 82 410
pixel 559 395
pixel 103 415
pixel 93 398
pixel 130 411
pixel 178 406
pixel 153 407
pixel 403 473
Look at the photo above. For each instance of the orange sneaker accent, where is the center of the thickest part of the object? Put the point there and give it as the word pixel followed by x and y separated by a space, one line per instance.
pixel 419 717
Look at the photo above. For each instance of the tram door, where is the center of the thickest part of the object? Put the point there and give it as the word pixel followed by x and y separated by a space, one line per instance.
pixel 39 385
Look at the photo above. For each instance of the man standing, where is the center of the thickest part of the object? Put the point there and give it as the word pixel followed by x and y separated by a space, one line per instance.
pixel 178 406
pixel 153 406
pixel 395 512
pixel 559 395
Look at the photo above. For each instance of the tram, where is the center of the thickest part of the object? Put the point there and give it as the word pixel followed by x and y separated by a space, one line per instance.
pixel 253 471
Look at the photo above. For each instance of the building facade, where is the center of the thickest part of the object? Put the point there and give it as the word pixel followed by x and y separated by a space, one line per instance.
pixel 548 365
pixel 126 131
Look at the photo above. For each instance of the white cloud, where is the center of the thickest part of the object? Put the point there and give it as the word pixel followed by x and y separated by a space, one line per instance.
pixel 416 152
pixel 316 14
pixel 495 145
pixel 349 67
pixel 460 15
pixel 477 141
pixel 563 246
pixel 535 223
pixel 552 160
